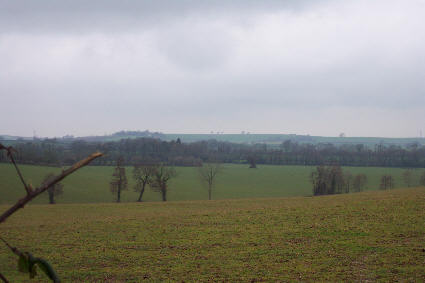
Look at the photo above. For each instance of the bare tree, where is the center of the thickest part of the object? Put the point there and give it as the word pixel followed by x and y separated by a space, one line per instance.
pixel 119 180
pixel 54 190
pixel 408 177
pixel 337 179
pixel 318 179
pixel 359 182
pixel 160 180
pixel 387 182
pixel 208 175
pixel 251 161
pixel 422 179
pixel 328 180
pixel 143 175
pixel 348 179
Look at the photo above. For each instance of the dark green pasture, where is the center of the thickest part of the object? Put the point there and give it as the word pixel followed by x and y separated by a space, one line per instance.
pixel 91 184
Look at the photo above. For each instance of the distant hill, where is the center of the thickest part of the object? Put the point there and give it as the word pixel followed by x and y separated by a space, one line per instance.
pixel 123 135
pixel 11 138
pixel 279 138
pixel 245 138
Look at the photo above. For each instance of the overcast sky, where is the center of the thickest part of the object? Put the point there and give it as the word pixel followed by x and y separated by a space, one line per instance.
pixel 317 67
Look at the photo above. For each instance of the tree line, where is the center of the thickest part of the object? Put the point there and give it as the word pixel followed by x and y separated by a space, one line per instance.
pixel 176 153
pixel 156 176
pixel 326 180
pixel 332 179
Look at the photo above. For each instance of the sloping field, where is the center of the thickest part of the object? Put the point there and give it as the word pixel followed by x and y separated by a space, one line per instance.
pixel 91 184
pixel 370 236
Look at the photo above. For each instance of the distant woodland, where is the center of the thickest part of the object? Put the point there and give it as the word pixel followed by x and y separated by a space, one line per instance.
pixel 153 150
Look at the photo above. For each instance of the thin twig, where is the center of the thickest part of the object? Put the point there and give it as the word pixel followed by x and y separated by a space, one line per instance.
pixel 10 155
pixel 13 249
pixel 27 188
pixel 3 278
pixel 33 193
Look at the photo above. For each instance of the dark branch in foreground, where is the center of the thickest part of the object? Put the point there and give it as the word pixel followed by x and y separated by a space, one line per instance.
pixel 13 249
pixel 27 263
pixel 9 154
pixel 37 191
pixel 3 278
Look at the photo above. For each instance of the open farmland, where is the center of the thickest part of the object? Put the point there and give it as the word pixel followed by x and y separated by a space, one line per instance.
pixel 91 184
pixel 355 237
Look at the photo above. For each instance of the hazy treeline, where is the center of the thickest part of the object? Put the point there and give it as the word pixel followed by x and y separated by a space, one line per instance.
pixel 328 180
pixel 135 151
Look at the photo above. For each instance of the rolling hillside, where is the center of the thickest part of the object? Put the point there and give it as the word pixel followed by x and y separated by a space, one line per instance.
pixel 370 236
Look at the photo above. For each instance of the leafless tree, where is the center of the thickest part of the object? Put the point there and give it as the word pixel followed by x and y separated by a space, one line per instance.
pixel 53 191
pixel 408 177
pixel 251 161
pixel 208 175
pixel 422 179
pixel 328 180
pixel 119 180
pixel 359 182
pixel 337 179
pixel 387 182
pixel 348 180
pixel 143 175
pixel 160 180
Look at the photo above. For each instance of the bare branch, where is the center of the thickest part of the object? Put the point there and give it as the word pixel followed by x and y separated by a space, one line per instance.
pixel 3 278
pixel 10 151
pixel 34 193
pixel 13 249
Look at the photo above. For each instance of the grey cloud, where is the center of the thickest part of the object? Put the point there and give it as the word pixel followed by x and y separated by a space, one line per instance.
pixel 196 47
pixel 109 15
pixel 317 67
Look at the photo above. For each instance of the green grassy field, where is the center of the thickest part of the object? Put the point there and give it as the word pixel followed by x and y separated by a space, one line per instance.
pixel 91 184
pixel 369 236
